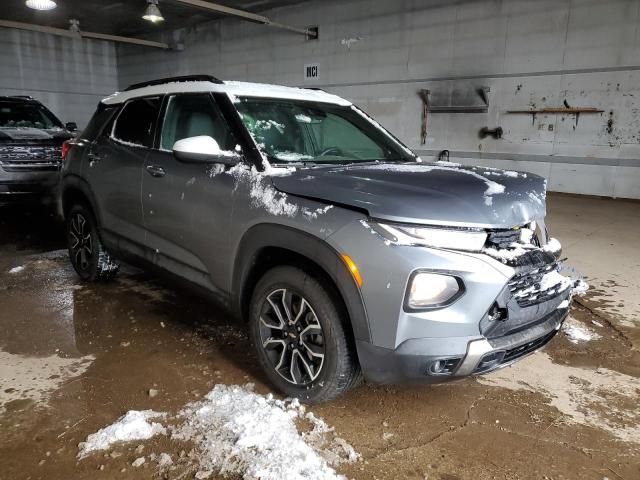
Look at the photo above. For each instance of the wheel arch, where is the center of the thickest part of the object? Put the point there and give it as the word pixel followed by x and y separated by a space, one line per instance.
pixel 265 246
pixel 77 190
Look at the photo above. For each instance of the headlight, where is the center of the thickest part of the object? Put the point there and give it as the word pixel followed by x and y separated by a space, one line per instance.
pixel 428 290
pixel 454 239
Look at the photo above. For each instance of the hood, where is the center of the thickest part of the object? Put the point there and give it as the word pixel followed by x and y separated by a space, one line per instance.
pixel 425 193
pixel 22 134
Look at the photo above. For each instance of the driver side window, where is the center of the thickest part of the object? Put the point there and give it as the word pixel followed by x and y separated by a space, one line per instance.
pixel 192 115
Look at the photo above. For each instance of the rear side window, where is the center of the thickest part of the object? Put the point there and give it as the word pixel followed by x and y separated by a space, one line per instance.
pixel 136 122
pixel 193 115
pixel 100 118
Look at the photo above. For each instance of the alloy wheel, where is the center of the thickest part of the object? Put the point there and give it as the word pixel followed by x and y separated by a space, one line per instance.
pixel 81 242
pixel 292 337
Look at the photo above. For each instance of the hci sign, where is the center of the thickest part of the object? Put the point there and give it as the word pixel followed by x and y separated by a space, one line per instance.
pixel 311 71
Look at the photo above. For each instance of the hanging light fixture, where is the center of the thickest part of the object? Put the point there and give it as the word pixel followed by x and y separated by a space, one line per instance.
pixel 74 27
pixel 41 4
pixel 153 13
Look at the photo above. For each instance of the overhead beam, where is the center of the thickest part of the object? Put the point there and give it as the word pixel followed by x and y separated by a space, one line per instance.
pixel 69 34
pixel 252 17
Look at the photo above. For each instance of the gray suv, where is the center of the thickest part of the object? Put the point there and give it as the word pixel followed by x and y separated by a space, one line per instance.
pixel 345 253
pixel 31 145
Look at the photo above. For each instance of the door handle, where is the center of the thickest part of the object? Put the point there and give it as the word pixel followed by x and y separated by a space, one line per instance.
pixel 155 171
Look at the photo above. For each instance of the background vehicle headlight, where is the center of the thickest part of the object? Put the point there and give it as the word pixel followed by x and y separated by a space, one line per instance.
pixel 470 240
pixel 432 290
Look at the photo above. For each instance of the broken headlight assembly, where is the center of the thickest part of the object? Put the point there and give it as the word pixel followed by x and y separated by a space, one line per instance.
pixel 464 239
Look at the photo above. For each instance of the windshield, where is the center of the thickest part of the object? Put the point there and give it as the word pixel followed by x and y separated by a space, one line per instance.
pixel 290 131
pixel 23 114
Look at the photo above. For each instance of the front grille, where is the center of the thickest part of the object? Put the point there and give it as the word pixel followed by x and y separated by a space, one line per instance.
pixel 505 239
pixel 21 158
pixel 493 360
pixel 528 290
pixel 522 350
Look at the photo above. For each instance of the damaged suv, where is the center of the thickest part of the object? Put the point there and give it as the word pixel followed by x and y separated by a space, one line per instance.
pixel 31 143
pixel 345 253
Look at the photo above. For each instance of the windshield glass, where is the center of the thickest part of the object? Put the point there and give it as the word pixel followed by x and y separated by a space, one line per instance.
pixel 22 114
pixel 289 131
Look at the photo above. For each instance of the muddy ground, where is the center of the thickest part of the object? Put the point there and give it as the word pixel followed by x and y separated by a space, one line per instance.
pixel 74 357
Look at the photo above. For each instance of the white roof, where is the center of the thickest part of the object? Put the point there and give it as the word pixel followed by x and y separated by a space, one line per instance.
pixel 241 89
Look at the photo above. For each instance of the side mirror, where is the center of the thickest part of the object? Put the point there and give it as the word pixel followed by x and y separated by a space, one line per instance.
pixel 71 126
pixel 203 149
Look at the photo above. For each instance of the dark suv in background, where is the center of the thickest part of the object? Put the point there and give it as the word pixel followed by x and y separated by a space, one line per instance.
pixel 31 142
pixel 342 249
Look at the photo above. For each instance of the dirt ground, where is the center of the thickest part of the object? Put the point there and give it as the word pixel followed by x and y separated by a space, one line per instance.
pixel 75 357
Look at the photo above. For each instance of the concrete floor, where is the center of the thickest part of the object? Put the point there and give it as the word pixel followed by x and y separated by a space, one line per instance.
pixel 75 357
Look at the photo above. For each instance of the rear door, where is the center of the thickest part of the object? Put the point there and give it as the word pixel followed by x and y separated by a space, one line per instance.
pixel 187 207
pixel 114 168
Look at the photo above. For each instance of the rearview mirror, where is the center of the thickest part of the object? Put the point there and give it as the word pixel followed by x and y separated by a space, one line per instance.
pixel 203 149
pixel 71 126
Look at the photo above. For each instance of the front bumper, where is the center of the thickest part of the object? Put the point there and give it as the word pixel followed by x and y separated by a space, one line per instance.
pixel 410 362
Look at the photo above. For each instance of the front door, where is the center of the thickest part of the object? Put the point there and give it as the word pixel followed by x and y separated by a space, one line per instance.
pixel 187 207
pixel 114 168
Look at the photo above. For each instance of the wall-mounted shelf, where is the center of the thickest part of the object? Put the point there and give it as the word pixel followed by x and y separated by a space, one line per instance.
pixel 559 110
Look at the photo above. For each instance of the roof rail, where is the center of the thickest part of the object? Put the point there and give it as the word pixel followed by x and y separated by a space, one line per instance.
pixel 184 78
pixel 26 97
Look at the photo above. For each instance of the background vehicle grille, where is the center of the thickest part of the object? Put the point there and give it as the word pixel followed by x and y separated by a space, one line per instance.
pixel 21 158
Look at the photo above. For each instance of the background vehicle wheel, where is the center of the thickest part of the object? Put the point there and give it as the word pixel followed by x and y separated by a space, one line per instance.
pixel 88 256
pixel 300 338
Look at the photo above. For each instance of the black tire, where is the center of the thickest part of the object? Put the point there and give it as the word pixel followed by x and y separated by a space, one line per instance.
pixel 87 254
pixel 317 329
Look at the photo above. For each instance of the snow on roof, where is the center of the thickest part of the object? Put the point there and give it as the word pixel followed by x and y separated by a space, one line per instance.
pixel 241 89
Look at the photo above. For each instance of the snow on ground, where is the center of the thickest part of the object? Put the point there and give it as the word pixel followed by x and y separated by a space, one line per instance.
pixel 17 269
pixel 241 433
pixel 34 378
pixel 134 425
pixel 577 332
pixel 584 396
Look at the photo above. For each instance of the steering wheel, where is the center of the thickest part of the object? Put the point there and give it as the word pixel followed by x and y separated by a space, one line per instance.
pixel 332 151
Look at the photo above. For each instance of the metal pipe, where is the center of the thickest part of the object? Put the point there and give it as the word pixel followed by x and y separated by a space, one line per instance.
pixel 66 33
pixel 253 17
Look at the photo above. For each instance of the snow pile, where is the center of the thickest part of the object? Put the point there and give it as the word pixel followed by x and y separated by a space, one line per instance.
pixel 577 333
pixel 135 425
pixel 239 432
pixel 17 269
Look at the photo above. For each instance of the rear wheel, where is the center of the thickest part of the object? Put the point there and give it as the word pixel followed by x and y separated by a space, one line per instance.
pixel 86 252
pixel 299 336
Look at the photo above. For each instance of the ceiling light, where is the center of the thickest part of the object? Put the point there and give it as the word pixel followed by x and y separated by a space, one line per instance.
pixel 41 4
pixel 153 12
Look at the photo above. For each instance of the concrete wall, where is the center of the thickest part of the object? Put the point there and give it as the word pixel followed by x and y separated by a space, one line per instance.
pixel 68 76
pixel 380 53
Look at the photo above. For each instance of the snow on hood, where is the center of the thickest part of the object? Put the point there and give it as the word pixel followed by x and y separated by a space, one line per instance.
pixel 425 193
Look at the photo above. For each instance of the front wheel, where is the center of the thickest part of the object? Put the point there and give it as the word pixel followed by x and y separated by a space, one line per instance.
pixel 86 252
pixel 299 336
